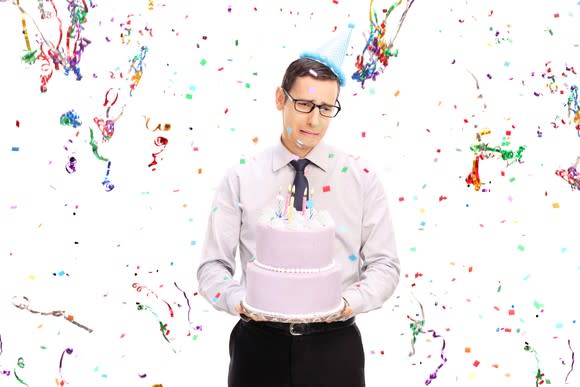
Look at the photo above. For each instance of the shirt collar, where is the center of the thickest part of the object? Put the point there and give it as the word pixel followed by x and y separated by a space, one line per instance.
pixel 319 155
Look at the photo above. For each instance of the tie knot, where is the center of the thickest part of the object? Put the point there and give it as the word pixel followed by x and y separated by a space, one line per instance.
pixel 300 164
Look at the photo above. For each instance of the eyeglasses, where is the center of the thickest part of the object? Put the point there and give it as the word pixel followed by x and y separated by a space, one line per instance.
pixel 305 106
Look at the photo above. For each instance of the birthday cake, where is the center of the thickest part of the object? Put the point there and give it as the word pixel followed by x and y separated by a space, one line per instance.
pixel 293 276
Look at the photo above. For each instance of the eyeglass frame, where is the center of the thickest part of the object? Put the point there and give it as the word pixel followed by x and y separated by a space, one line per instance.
pixel 313 105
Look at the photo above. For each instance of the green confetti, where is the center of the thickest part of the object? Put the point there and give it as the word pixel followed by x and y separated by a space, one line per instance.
pixel 521 247
pixel 344 169
pixel 538 305
pixel 203 62
pixel 413 249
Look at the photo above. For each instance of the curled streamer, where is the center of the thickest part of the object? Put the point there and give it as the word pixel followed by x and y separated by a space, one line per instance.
pixel 571 365
pixel 539 373
pixel 187 299
pixel 70 118
pixel 24 305
pixel 433 375
pixel 139 287
pixel 95 147
pixel 71 166
pixel 163 327
pixel 20 364
pixel 160 142
pixel 377 49
pixel 68 351
pixel 416 328
pixel 106 183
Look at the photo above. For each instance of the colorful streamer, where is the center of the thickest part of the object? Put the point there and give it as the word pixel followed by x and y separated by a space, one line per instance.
pixel 24 30
pixel 137 68
pixel 160 142
pixel 539 373
pixel 139 287
pixel 187 299
pixel 106 183
pixel 95 147
pixel 416 328
pixel 377 49
pixel 68 351
pixel 571 365
pixel 505 154
pixel 20 364
pixel 70 118
pixel 24 305
pixel 571 175
pixel 3 372
pixel 433 375
pixel 163 327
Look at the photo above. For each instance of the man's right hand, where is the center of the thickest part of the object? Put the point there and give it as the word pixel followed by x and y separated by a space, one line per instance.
pixel 245 315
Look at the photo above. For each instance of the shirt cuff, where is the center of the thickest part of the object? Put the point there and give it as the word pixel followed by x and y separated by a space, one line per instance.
pixel 354 300
pixel 234 299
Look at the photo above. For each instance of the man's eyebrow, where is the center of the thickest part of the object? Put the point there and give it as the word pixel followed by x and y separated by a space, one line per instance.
pixel 311 100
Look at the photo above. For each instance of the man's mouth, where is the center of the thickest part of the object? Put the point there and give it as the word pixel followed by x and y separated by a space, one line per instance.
pixel 308 133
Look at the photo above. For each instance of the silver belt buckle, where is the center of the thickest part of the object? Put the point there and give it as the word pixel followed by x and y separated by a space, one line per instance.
pixel 292 330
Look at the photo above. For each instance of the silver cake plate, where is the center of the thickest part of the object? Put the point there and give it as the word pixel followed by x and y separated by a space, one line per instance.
pixel 260 315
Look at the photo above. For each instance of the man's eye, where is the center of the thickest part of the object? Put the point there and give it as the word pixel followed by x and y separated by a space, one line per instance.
pixel 304 104
pixel 325 109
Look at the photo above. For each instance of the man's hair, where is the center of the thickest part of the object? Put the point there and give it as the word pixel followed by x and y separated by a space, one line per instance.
pixel 307 67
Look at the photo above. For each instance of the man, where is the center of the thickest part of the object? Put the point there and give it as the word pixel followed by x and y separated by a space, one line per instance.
pixel 327 354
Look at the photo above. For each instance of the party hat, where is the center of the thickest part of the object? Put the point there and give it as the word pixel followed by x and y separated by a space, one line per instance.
pixel 332 53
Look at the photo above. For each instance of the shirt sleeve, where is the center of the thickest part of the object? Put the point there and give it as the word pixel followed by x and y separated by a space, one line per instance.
pixel 380 269
pixel 218 258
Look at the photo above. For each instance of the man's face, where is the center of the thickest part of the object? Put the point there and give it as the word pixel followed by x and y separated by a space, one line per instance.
pixel 303 131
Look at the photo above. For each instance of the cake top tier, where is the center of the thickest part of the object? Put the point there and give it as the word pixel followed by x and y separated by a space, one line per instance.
pixel 307 220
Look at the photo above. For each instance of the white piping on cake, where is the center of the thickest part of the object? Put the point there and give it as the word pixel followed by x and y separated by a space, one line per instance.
pixel 292 270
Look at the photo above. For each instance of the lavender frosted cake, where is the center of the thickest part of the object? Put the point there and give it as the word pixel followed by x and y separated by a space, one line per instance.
pixel 294 276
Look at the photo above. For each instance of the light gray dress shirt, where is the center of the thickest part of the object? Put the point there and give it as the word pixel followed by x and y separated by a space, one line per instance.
pixel 354 196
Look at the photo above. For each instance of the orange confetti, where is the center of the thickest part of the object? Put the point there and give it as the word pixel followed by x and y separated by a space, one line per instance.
pixel 556 205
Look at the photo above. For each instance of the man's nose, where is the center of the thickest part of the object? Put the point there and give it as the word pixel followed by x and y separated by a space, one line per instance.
pixel 314 117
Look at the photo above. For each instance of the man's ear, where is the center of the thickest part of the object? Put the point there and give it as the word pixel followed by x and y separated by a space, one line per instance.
pixel 280 98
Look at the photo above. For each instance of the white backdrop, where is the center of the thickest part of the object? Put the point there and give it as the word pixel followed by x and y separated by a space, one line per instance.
pixel 492 270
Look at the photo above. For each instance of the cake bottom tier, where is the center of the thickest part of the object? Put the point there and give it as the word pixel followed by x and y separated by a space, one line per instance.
pixel 305 294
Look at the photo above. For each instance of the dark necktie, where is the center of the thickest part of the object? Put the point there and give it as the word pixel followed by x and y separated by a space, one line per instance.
pixel 300 182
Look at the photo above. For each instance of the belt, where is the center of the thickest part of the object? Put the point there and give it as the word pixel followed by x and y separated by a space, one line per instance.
pixel 299 329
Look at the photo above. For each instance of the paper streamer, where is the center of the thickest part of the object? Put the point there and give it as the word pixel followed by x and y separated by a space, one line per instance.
pixel 416 328
pixel 187 299
pixel 24 305
pixel 539 374
pixel 376 53
pixel 68 351
pixel 571 365
pixel 162 327
pixel 95 147
pixel 20 364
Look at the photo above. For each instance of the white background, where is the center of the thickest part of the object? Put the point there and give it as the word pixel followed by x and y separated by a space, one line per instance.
pixel 67 244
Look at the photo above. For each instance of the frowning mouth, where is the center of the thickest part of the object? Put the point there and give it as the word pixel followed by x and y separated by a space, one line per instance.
pixel 308 133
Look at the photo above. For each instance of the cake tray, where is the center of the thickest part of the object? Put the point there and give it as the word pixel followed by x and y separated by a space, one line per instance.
pixel 260 315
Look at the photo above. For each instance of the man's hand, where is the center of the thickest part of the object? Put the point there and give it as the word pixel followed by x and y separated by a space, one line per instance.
pixel 346 311
pixel 244 313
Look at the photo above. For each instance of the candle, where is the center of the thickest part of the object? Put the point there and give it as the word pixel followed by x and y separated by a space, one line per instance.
pixel 311 202
pixel 304 201
pixel 291 207
pixel 286 201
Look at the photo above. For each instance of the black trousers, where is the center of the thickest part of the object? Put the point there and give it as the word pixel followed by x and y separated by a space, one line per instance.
pixel 270 357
